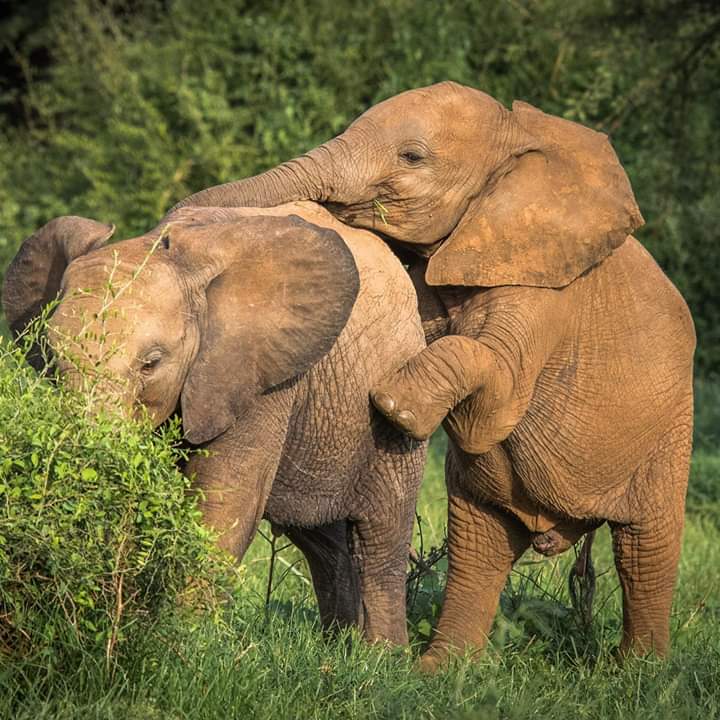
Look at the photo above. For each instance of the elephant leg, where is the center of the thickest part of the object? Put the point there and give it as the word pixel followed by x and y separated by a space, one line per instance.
pixel 483 545
pixel 418 396
pixel 235 476
pixel 335 577
pixel 647 550
pixel 382 532
pixel 382 554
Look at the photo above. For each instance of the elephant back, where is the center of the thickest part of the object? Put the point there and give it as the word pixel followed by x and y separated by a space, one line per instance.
pixel 385 321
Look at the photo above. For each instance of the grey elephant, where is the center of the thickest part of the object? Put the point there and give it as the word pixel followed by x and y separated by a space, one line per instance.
pixel 560 356
pixel 266 330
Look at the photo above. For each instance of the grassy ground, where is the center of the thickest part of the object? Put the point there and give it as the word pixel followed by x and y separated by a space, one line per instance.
pixel 274 663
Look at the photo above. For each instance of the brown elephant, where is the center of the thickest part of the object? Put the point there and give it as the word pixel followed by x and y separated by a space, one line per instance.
pixel 266 329
pixel 561 352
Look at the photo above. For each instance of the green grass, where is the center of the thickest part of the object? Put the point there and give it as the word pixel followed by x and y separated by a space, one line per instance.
pixel 274 663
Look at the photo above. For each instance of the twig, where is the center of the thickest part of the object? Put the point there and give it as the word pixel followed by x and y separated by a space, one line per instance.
pixel 274 552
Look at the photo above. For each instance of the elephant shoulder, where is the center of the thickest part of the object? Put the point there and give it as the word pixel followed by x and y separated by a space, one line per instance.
pixel 382 275
pixel 386 310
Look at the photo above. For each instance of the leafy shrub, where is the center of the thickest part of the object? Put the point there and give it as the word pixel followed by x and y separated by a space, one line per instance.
pixel 98 534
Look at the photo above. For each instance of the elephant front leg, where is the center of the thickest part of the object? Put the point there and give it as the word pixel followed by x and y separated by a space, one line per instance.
pixel 418 396
pixel 232 502
pixel 335 577
pixel 235 475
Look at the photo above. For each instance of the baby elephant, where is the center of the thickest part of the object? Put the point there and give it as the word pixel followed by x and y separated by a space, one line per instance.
pixel 560 356
pixel 266 329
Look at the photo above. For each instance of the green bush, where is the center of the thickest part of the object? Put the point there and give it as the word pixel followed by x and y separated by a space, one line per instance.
pixel 98 533
pixel 704 486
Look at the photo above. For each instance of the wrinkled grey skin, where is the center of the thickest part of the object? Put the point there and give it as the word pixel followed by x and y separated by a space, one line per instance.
pixel 309 454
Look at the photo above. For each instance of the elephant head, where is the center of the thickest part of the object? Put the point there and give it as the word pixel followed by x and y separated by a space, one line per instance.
pixel 492 196
pixel 206 315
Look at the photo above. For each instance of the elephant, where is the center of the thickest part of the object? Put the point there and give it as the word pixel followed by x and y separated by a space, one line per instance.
pixel 559 355
pixel 265 330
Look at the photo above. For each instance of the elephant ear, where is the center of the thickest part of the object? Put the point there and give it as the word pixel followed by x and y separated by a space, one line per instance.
pixel 34 276
pixel 280 293
pixel 556 212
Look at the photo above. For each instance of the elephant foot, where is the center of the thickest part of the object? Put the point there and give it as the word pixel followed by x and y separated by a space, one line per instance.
pixel 411 417
pixel 408 403
pixel 431 662
pixel 401 417
pixel 418 396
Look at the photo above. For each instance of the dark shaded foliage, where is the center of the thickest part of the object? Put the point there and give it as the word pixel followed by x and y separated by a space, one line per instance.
pixel 117 109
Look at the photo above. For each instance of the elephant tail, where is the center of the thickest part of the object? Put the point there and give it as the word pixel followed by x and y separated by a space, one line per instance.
pixel 581 581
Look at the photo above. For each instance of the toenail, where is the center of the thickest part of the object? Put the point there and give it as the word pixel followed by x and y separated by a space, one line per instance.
pixel 406 418
pixel 384 403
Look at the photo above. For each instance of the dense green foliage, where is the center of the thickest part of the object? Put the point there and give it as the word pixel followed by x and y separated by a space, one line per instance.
pixel 117 109
pixel 275 665
pixel 98 533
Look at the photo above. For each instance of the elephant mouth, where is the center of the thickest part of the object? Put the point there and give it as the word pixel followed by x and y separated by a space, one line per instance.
pixel 424 251
pixel 357 214
pixel 373 216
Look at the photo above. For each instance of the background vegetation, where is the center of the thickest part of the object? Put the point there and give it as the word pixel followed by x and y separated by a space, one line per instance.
pixel 117 109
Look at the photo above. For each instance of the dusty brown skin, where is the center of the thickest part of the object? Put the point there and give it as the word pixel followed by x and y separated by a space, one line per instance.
pixel 561 352
pixel 269 352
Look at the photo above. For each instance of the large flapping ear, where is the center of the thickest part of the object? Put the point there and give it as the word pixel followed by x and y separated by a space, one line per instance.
pixel 279 293
pixel 558 211
pixel 34 276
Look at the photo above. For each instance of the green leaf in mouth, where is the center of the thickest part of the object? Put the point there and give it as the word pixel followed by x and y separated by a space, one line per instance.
pixel 382 211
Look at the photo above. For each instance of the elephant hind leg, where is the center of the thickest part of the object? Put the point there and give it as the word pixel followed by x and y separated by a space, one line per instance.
pixel 334 575
pixel 382 531
pixel 483 545
pixel 647 550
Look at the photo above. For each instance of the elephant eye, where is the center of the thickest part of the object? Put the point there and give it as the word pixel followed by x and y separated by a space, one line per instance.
pixel 412 157
pixel 150 362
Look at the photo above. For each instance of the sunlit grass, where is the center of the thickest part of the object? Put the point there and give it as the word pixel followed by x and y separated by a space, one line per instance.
pixel 275 663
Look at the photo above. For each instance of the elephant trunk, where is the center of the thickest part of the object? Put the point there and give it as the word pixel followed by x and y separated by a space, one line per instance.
pixel 314 176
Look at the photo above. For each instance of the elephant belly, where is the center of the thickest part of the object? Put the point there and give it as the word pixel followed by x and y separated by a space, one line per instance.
pixel 350 471
pixel 322 464
pixel 603 402
pixel 568 459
